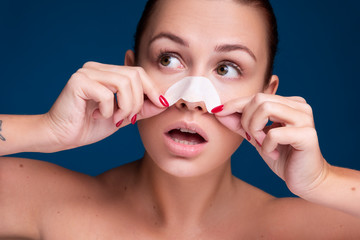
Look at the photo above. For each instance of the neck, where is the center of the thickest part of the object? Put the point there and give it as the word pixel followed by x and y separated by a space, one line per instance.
pixel 181 201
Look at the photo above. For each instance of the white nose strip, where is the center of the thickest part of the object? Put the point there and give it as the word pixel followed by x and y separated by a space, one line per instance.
pixel 194 89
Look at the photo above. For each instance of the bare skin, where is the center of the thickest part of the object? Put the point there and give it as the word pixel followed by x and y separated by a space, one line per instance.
pixel 165 195
pixel 70 205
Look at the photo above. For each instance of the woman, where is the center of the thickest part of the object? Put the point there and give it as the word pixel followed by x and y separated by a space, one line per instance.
pixel 182 187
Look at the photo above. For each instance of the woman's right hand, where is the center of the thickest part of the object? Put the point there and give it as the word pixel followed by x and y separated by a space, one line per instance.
pixel 86 110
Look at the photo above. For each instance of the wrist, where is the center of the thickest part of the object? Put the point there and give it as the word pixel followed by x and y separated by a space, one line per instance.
pixel 319 183
pixel 51 137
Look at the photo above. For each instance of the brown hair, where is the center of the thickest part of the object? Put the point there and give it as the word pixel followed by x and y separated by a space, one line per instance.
pixel 263 5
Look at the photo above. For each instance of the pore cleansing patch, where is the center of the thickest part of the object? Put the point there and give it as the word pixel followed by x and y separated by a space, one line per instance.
pixel 194 89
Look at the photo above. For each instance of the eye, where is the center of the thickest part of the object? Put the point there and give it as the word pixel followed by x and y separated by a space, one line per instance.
pixel 169 61
pixel 228 70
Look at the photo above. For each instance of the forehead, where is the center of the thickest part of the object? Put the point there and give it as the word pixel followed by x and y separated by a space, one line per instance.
pixel 211 22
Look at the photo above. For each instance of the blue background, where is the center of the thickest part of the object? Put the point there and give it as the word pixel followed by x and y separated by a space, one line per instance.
pixel 43 42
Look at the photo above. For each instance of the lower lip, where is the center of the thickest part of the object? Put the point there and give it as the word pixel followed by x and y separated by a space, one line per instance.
pixel 183 150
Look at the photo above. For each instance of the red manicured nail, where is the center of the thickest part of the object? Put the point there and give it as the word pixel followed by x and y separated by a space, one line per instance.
pixel 119 123
pixel 258 143
pixel 248 137
pixel 218 109
pixel 133 119
pixel 163 101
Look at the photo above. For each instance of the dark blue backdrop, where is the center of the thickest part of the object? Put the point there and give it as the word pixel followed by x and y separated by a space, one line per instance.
pixel 43 42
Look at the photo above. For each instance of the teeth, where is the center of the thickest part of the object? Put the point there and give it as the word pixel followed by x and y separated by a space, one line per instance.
pixel 184 130
pixel 184 142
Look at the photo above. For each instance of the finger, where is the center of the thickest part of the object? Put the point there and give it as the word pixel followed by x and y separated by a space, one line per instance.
pixel 299 138
pixel 276 112
pixel 129 101
pixel 125 100
pixel 149 110
pixel 297 99
pixel 234 106
pixel 150 89
pixel 91 90
pixel 294 102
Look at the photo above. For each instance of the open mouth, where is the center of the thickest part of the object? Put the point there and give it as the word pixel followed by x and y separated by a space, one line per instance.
pixel 186 136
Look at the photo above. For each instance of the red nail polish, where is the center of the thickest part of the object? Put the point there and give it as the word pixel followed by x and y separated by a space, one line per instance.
pixel 119 123
pixel 133 119
pixel 258 143
pixel 218 109
pixel 248 137
pixel 163 101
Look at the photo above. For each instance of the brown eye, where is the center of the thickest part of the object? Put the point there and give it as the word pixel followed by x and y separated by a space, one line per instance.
pixel 169 61
pixel 222 70
pixel 165 61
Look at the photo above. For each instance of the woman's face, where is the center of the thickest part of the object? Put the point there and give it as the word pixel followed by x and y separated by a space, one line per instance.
pixel 221 40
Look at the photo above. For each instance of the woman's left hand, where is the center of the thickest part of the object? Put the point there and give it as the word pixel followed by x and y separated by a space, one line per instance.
pixel 289 145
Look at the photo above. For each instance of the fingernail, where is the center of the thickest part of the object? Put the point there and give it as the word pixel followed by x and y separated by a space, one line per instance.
pixel 133 119
pixel 217 109
pixel 258 143
pixel 119 123
pixel 163 101
pixel 248 137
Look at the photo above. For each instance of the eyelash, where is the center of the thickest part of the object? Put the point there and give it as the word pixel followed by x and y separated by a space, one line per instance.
pixel 231 64
pixel 164 53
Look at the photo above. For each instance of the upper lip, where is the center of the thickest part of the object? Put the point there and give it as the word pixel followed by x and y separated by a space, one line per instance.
pixel 190 126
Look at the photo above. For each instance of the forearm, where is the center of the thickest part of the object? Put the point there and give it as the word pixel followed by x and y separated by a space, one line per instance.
pixel 25 133
pixel 340 189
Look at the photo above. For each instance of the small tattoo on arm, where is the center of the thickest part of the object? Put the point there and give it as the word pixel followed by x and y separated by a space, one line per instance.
pixel 1 136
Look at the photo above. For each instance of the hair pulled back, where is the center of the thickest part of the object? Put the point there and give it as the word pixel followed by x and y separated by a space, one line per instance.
pixel 263 5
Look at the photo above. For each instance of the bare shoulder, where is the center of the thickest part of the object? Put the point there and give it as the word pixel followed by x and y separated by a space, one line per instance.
pixel 28 187
pixel 41 181
pixel 269 217
pixel 36 174
pixel 295 217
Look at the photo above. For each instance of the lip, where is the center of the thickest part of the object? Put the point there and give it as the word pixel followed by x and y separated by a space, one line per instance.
pixel 184 150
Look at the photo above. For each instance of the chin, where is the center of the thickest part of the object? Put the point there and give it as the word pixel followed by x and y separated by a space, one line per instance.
pixel 185 168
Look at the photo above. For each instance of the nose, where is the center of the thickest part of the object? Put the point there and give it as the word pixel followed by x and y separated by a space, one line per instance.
pixel 191 106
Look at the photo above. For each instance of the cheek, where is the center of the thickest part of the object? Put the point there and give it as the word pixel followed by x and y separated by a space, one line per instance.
pixel 149 134
pixel 226 142
pixel 242 88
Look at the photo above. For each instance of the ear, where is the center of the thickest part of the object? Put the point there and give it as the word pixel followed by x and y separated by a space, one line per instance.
pixel 273 85
pixel 129 58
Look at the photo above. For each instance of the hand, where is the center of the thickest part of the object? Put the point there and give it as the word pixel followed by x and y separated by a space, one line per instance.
pixel 86 110
pixel 289 145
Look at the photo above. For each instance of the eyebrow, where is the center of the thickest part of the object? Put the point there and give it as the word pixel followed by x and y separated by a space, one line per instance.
pixel 219 48
pixel 171 37
pixel 234 47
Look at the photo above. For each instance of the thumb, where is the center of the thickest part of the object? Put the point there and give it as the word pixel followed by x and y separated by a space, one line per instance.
pixel 233 122
pixel 149 109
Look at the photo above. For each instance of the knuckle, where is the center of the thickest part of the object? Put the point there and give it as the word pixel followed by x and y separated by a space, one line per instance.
pixel 134 74
pixel 272 133
pixel 139 69
pixel 77 78
pixel 308 109
pixel 299 99
pixel 259 98
pixel 265 107
pixel 89 64
pixel 107 96
pixel 124 82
